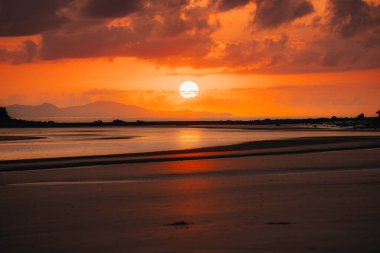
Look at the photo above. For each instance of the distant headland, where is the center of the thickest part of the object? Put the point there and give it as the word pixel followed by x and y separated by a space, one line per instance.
pixel 359 122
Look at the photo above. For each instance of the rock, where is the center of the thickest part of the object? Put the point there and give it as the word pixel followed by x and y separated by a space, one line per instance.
pixel 180 224
pixel 4 115
pixel 279 223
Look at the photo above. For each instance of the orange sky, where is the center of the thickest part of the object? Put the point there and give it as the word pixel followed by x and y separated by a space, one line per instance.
pixel 264 58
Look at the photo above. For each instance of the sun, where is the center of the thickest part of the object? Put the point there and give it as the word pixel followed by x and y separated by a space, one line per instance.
pixel 188 89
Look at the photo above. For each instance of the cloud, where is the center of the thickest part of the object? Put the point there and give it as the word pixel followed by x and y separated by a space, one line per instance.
pixel 332 53
pixel 226 5
pixel 21 17
pixel 161 30
pixel 182 34
pixel 273 13
pixel 151 30
pixel 110 8
pixel 257 54
pixel 26 53
pixel 351 17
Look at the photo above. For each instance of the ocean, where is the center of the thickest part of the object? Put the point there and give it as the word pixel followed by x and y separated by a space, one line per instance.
pixel 25 143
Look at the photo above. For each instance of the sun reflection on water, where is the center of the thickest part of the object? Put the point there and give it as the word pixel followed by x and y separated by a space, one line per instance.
pixel 192 135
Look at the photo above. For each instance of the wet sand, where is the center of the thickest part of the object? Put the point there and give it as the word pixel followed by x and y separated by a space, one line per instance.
pixel 317 201
pixel 19 138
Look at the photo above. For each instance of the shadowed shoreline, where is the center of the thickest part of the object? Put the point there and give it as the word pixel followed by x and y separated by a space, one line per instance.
pixel 19 138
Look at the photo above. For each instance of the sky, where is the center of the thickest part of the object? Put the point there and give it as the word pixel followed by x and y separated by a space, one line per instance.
pixel 250 58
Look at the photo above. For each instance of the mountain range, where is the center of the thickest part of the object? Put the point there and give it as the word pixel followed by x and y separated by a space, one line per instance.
pixel 102 110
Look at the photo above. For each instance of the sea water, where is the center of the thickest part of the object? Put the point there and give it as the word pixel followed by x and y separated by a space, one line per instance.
pixel 89 141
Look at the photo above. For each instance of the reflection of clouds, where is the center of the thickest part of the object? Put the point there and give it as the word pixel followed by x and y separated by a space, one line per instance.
pixel 189 136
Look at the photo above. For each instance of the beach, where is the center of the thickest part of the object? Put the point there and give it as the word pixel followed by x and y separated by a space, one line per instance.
pixel 299 195
pixel 190 126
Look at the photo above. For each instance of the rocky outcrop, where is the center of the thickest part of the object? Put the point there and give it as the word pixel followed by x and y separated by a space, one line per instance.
pixel 4 117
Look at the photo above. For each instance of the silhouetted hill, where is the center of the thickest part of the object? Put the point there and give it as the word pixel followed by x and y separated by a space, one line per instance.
pixel 32 111
pixel 99 110
pixel 104 109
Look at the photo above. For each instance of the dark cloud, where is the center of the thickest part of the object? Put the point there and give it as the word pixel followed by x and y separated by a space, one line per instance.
pixel 163 29
pixel 331 58
pixel 30 49
pixel 177 33
pixel 26 53
pixel 273 13
pixel 332 53
pixel 25 17
pixel 225 5
pixel 372 40
pixel 263 53
pixel 110 8
pixel 93 42
pixel 175 19
pixel 118 42
pixel 351 17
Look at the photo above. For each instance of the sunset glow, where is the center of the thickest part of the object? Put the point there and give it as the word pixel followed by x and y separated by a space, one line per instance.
pixel 304 58
pixel 189 126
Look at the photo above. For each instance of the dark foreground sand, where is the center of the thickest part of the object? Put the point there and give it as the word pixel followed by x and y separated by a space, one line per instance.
pixel 318 201
pixel 19 138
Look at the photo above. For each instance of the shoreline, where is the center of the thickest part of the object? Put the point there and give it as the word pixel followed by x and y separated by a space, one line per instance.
pixel 214 125
pixel 288 196
pixel 254 148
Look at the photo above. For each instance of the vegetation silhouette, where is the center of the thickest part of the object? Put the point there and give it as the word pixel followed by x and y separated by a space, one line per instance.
pixel 361 121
